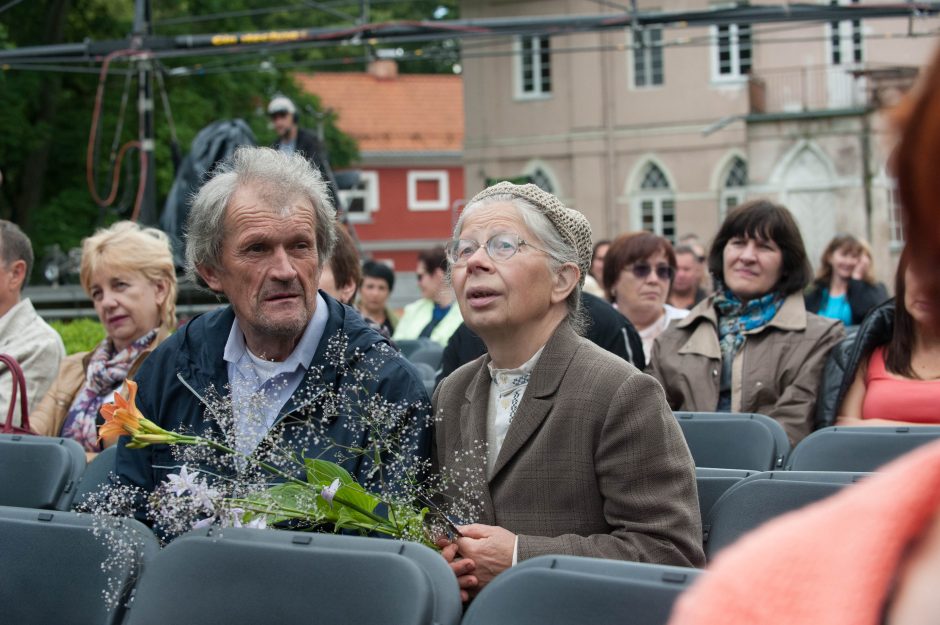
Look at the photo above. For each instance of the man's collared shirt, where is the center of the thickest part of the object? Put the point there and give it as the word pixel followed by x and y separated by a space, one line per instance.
pixel 260 388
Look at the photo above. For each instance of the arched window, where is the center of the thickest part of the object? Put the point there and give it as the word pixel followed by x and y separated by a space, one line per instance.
pixel 734 187
pixel 656 203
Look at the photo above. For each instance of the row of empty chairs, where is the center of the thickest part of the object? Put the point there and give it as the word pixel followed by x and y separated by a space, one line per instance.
pixel 754 442
pixel 50 572
pixel 50 473
pixel 735 502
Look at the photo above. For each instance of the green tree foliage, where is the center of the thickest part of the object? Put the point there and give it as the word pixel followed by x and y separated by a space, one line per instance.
pixel 45 116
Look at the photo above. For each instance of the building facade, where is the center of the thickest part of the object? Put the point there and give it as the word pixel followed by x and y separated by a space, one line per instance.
pixel 410 131
pixel 666 128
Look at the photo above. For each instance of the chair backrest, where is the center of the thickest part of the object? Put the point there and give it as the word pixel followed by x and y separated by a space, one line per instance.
pixel 858 448
pixel 54 569
pixel 39 471
pixel 431 354
pixel 572 590
pixel 240 575
pixel 731 440
pixel 712 484
pixel 410 346
pixel 763 496
pixel 97 474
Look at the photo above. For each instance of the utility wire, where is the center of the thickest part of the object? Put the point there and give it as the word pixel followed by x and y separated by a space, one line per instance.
pixel 437 55
pixel 9 5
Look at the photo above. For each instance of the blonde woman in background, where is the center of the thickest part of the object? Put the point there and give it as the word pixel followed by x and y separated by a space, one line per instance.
pixel 128 273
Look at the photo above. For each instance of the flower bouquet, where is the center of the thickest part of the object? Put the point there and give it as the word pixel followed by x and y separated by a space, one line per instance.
pixel 278 486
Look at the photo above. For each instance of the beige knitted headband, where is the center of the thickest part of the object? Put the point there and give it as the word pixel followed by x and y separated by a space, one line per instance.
pixel 570 224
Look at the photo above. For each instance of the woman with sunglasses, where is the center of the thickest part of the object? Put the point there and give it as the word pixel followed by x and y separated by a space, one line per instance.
pixel 752 346
pixel 638 271
pixel 582 455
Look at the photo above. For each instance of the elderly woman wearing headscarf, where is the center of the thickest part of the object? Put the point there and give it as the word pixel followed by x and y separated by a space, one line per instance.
pixel 583 455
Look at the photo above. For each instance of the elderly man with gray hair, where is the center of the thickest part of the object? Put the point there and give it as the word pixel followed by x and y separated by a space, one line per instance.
pixel 259 232
pixel 583 455
pixel 23 334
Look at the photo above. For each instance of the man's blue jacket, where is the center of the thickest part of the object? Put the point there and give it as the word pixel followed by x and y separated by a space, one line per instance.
pixel 191 362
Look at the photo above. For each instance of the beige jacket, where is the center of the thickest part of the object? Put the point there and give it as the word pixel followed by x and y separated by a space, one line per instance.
pixel 49 416
pixel 593 464
pixel 36 346
pixel 777 372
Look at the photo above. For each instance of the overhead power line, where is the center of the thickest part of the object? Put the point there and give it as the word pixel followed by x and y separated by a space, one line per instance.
pixel 393 32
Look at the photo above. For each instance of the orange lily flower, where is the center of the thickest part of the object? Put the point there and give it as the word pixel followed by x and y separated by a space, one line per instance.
pixel 122 418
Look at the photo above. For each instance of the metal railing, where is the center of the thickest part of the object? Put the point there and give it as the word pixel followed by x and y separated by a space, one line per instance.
pixel 802 89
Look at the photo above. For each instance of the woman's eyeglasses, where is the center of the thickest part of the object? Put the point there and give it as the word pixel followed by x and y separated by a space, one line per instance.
pixel 642 271
pixel 499 247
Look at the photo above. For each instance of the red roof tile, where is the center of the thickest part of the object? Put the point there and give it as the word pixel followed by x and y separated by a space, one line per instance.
pixel 405 113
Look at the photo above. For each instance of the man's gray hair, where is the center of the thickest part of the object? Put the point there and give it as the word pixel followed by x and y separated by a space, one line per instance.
pixel 14 246
pixel 560 252
pixel 278 178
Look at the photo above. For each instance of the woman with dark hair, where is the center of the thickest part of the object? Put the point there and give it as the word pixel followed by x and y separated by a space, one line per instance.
pixel 752 346
pixel 883 566
pixel 898 380
pixel 638 272
pixel 837 293
pixel 378 280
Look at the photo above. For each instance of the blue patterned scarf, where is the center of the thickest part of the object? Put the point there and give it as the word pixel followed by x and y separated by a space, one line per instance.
pixel 736 317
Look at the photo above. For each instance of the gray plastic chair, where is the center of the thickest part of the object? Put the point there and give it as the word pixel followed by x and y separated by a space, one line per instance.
pixel 712 484
pixel 571 590
pixel 39 471
pixel 410 346
pixel 51 567
pixel 764 496
pixel 250 576
pixel 732 440
pixel 858 448
pixel 429 354
pixel 97 474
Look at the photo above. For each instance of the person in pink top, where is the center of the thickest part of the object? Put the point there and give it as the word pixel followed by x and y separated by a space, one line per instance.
pixel 900 382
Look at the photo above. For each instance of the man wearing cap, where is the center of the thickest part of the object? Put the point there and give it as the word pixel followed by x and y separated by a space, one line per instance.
pixel 582 454
pixel 292 138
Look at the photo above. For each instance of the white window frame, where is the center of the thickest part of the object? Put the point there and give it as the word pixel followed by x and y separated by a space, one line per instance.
pixel 648 51
pixel 443 184
pixel 657 198
pixel 369 196
pixel 738 194
pixel 846 42
pixel 537 93
pixel 735 76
